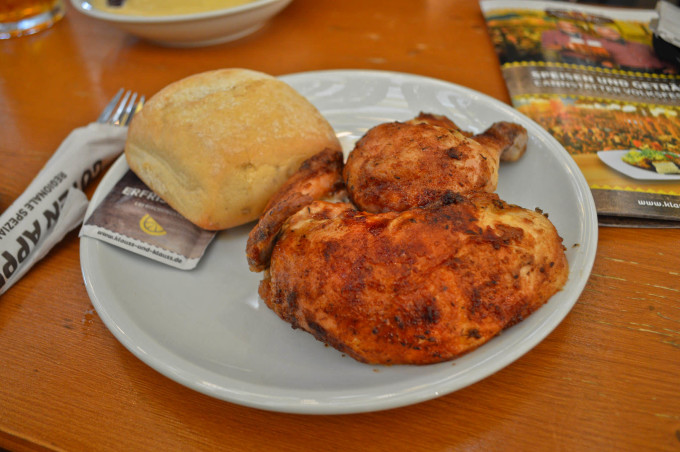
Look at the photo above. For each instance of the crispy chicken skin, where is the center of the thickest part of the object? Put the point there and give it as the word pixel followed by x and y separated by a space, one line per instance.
pixel 413 287
pixel 509 138
pixel 438 120
pixel 399 165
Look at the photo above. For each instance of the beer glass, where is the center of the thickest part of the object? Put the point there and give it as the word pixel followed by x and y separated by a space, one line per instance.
pixel 25 17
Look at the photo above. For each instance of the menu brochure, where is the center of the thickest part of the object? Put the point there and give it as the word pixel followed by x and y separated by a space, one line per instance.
pixel 589 75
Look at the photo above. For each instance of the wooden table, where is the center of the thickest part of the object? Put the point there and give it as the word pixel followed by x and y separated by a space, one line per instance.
pixel 608 378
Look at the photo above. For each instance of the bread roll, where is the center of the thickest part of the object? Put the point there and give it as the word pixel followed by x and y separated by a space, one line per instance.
pixel 216 145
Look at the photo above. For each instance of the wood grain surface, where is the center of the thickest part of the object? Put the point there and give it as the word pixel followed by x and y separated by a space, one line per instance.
pixel 607 378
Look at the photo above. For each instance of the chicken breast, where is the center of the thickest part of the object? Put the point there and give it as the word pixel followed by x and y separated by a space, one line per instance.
pixel 413 287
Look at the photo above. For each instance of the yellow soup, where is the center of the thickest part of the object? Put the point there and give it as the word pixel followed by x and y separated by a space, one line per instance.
pixel 166 7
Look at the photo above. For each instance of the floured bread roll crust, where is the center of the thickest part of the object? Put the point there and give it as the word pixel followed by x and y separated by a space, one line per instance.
pixel 216 145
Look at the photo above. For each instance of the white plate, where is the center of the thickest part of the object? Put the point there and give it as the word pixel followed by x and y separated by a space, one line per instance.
pixel 208 329
pixel 613 160
pixel 191 30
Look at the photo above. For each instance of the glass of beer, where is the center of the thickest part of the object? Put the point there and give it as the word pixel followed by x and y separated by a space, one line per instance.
pixel 25 17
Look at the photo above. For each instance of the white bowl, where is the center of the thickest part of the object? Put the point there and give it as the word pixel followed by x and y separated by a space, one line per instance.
pixel 191 30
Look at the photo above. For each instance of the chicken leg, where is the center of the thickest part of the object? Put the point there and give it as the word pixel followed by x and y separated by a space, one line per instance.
pixel 399 165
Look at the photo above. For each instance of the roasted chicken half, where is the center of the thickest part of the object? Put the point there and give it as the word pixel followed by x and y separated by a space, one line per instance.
pixel 413 283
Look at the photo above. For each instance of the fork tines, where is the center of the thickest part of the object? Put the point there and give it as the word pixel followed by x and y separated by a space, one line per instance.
pixel 120 111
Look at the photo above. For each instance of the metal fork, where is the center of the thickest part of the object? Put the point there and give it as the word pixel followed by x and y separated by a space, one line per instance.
pixel 126 108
